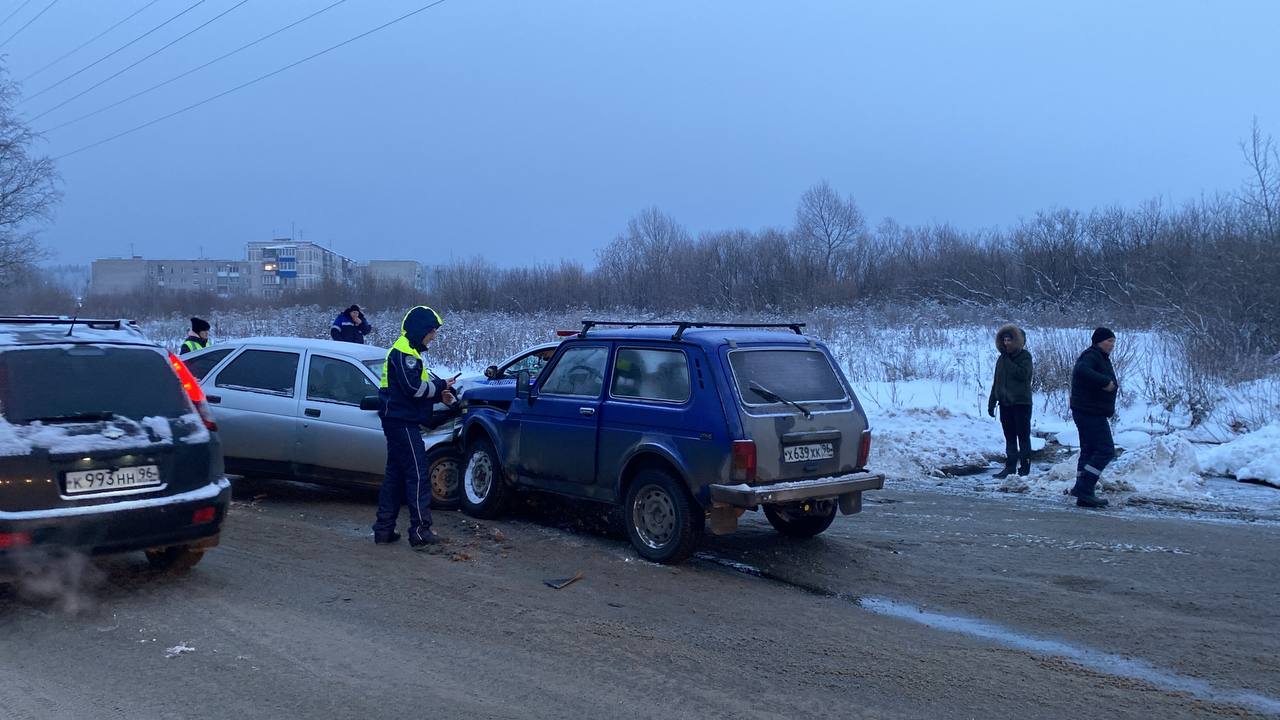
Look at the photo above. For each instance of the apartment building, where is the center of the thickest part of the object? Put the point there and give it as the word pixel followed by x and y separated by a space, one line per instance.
pixel 114 276
pixel 281 265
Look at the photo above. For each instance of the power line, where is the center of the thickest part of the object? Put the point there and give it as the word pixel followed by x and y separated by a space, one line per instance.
pixel 113 52
pixel 81 46
pixel 141 60
pixel 198 68
pixel 9 17
pixel 24 27
pixel 254 81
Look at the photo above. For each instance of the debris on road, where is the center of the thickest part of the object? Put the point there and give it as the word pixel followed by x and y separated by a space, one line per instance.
pixel 563 583
pixel 179 649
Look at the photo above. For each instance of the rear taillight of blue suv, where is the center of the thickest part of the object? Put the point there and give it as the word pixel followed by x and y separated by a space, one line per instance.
pixel 744 461
pixel 864 449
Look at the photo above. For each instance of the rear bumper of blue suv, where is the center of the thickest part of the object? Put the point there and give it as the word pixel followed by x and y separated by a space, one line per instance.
pixel 844 486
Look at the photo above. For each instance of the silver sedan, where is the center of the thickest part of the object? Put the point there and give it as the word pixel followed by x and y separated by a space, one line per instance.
pixel 290 408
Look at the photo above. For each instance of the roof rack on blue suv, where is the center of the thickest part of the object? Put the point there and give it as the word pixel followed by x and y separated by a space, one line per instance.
pixel 682 325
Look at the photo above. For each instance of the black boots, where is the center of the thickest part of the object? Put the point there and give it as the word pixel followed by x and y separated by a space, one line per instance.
pixel 1023 468
pixel 1083 493
pixel 424 539
pixel 386 538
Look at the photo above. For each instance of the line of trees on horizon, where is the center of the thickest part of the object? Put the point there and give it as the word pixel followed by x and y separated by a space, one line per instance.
pixel 1209 267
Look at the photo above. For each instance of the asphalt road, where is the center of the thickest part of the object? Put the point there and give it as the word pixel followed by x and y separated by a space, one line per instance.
pixel 926 605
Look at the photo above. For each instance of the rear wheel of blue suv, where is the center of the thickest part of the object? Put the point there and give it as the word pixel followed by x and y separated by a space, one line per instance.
pixel 663 522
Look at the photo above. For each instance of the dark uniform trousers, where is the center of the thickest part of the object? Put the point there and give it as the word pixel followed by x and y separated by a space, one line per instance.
pixel 1096 450
pixel 407 481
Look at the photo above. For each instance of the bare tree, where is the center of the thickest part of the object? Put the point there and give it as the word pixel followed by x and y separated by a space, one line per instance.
pixel 28 187
pixel 828 224
pixel 1262 189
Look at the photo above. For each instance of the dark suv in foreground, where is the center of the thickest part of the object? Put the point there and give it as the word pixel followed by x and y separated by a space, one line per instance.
pixel 106 446
pixel 676 423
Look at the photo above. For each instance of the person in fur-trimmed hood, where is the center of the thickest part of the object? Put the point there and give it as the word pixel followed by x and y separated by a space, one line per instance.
pixel 1011 390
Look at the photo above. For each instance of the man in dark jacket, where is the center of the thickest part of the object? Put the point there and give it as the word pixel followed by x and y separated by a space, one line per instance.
pixel 1011 390
pixel 350 326
pixel 197 337
pixel 1093 402
pixel 409 393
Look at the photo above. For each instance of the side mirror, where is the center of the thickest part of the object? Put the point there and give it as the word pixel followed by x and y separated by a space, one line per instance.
pixel 491 372
pixel 371 402
pixel 524 386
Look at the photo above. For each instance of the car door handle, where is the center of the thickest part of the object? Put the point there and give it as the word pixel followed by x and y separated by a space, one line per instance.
pixel 214 399
pixel 587 411
pixel 312 412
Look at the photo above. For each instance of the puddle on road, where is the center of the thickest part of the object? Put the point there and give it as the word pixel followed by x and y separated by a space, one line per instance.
pixel 1096 660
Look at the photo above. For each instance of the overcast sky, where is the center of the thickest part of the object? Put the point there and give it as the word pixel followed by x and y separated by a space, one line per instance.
pixel 523 130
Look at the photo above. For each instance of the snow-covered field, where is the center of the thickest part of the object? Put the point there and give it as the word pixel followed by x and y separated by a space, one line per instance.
pixel 924 381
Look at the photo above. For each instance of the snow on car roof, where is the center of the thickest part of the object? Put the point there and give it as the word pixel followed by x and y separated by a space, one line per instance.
pixel 31 330
pixel 351 350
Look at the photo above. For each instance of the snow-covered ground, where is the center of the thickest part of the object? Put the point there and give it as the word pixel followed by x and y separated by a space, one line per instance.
pixel 924 381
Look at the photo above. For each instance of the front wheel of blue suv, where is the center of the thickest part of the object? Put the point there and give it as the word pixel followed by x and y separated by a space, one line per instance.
pixel 662 520
pixel 484 490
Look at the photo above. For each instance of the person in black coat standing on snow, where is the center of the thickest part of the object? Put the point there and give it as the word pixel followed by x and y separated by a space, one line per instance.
pixel 1011 390
pixel 1093 402
pixel 350 326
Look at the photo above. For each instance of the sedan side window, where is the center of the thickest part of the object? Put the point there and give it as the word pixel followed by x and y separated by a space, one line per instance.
pixel 333 380
pixel 579 372
pixel 533 362
pixel 266 371
pixel 200 366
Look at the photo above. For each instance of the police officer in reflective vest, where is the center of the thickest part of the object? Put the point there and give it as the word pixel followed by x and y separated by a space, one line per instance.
pixel 408 393
pixel 197 337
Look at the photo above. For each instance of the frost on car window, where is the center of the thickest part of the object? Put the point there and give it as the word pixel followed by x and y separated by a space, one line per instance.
pixel 579 371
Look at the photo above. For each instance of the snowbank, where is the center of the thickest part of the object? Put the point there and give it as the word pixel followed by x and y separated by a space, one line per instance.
pixel 1255 456
pixel 1165 467
pixel 909 444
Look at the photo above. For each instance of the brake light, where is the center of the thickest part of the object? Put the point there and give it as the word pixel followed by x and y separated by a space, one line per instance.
pixel 204 515
pixel 13 540
pixel 192 388
pixel 864 450
pixel 567 333
pixel 744 461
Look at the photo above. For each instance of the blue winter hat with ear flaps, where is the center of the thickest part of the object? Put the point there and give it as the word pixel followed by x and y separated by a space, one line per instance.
pixel 418 323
